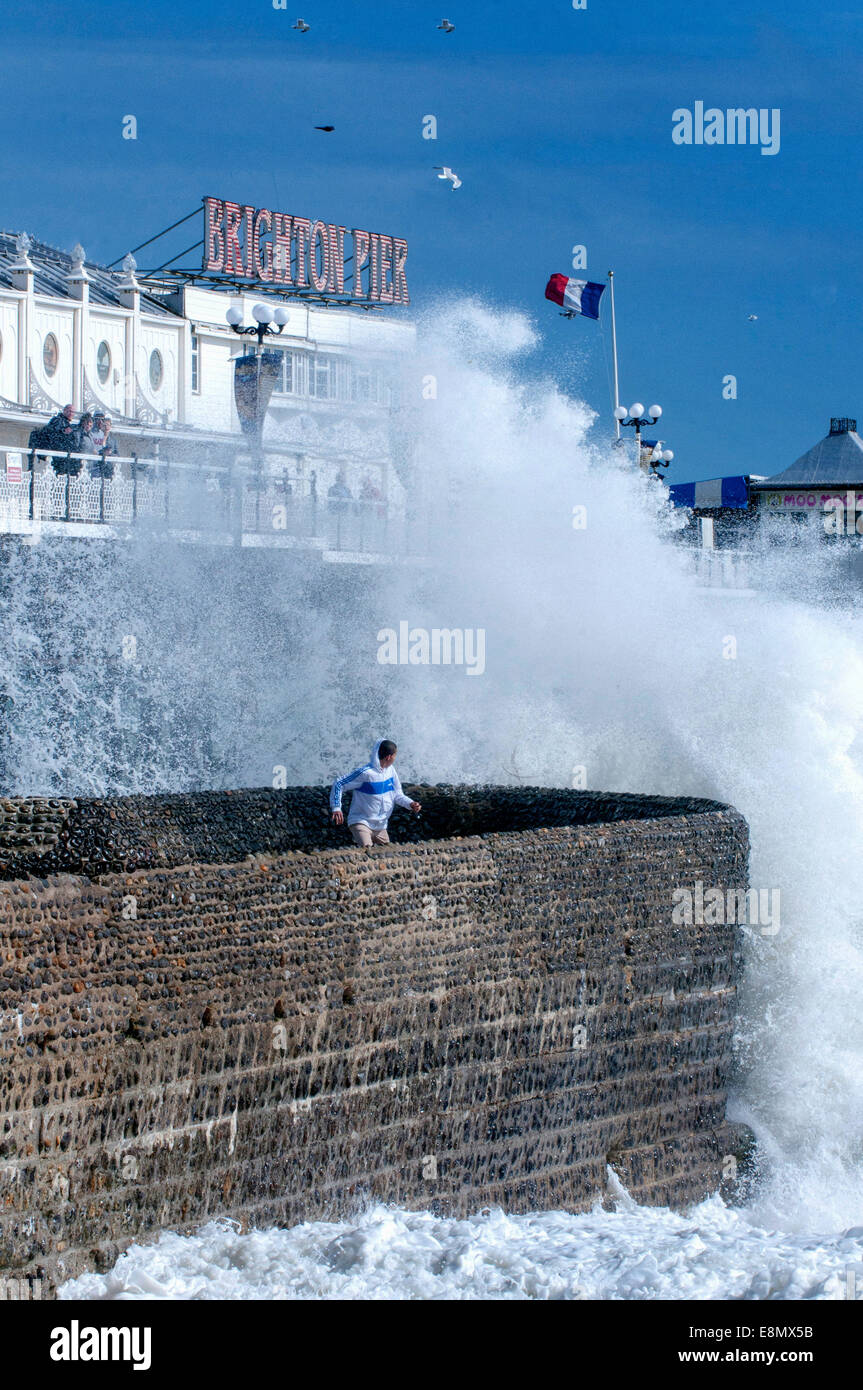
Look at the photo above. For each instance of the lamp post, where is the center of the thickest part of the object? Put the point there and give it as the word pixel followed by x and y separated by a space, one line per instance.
pixel 263 318
pixel 660 458
pixel 636 417
pixel 260 329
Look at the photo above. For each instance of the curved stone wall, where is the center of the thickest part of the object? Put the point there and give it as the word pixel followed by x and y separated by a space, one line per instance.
pixel 41 835
pixel 201 1013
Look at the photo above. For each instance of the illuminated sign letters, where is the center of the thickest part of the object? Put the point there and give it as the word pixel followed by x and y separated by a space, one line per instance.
pixel 276 248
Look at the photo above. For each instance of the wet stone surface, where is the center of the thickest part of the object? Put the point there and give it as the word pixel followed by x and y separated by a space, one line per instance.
pixel 204 1012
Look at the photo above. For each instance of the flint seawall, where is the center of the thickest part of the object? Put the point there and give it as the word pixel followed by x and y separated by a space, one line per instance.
pixel 211 1006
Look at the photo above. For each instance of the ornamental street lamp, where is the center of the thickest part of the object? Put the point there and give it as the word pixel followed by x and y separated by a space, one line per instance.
pixel 263 318
pixel 636 417
pixel 660 458
pixel 253 395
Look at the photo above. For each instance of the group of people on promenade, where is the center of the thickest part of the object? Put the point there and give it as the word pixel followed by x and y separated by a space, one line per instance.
pixel 91 435
pixel 340 495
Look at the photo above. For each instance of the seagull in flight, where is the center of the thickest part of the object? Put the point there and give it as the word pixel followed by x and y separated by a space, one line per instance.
pixel 325 127
pixel 446 26
pixel 752 318
pixel 302 26
pixel 447 173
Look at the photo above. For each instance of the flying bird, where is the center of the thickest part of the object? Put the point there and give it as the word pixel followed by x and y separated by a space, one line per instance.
pixel 446 26
pixel 447 173
pixel 752 318
pixel 302 26
pixel 325 127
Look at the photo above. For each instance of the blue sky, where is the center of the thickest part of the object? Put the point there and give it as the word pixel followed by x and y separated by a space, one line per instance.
pixel 559 123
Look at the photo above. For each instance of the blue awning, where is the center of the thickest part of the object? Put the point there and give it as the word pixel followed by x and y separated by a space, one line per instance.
pixel 713 492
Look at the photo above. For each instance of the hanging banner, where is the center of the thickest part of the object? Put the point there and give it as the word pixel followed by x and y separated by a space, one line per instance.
pixel 255 376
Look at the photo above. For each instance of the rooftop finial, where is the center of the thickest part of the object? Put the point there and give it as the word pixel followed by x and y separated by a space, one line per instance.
pixel 23 242
pixel 78 256
pixel 130 265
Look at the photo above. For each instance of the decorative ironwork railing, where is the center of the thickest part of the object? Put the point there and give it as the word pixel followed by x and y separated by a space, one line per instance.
pixel 226 504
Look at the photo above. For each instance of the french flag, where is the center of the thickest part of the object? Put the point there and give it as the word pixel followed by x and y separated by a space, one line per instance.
pixel 578 296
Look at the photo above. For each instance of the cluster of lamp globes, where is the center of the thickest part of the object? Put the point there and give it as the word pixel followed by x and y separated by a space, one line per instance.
pixel 261 313
pixel 637 417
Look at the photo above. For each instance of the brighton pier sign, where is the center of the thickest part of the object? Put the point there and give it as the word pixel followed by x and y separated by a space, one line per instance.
pixel 279 249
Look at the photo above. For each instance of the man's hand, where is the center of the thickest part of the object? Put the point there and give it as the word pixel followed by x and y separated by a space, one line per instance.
pixel 415 807
pixel 338 818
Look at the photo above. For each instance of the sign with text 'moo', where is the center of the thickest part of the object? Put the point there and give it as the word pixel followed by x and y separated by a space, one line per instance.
pixel 276 248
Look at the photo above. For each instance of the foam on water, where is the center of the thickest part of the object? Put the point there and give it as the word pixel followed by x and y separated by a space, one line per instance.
pixel 634 1253
pixel 602 655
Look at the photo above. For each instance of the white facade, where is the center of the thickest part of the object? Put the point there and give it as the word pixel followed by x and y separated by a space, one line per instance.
pixel 160 361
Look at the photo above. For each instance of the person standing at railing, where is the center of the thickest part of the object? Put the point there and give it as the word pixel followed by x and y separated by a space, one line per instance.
pixel 104 447
pixel 62 433
pixel 339 494
pixel 369 493
pixel 84 441
pixel 59 433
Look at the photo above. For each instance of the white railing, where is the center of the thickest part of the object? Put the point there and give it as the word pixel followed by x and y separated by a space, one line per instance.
pixel 722 569
pixel 156 494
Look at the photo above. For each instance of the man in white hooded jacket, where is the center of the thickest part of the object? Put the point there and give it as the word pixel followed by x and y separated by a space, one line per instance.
pixel 376 790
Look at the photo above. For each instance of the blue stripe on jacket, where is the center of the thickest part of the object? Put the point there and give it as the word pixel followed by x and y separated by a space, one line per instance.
pixel 339 784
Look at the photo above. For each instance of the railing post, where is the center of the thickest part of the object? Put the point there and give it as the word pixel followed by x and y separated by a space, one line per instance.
pixel 102 492
pixel 32 483
pixel 68 481
pixel 134 487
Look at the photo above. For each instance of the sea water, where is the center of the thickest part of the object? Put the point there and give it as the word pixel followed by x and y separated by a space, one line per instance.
pixel 606 666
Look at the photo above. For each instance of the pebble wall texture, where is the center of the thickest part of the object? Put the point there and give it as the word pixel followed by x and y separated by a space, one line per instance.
pixel 204 1013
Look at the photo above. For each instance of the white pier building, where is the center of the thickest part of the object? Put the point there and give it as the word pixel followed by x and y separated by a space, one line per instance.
pixel 157 356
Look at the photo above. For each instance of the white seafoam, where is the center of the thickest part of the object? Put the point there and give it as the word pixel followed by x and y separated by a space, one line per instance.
pixel 603 653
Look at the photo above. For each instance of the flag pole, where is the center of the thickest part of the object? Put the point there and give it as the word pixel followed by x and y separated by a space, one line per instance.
pixel 614 352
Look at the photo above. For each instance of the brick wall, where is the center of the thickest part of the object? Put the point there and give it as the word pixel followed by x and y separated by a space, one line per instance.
pixel 200 1017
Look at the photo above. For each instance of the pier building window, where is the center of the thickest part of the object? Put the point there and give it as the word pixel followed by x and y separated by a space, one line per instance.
pixel 103 362
pixel 50 354
pixel 361 384
pixel 286 380
pixel 322 377
pixel 157 369
pixel 293 374
pixel 196 365
pixel 368 385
